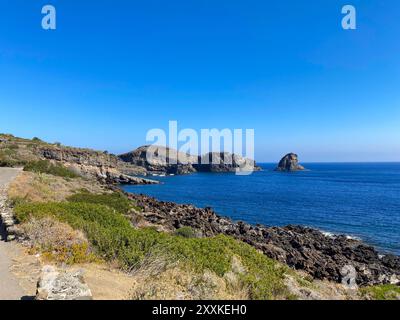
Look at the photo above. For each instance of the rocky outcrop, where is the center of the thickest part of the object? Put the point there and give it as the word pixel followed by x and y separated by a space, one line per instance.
pixel 225 162
pixel 157 159
pixel 105 167
pixel 289 162
pixel 88 158
pixel 62 285
pixel 321 256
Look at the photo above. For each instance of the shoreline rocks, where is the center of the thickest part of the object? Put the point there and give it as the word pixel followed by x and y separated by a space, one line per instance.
pixel 301 248
pixel 289 163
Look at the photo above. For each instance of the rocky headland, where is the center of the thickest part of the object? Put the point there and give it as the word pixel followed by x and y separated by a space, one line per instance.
pixel 170 161
pixel 128 168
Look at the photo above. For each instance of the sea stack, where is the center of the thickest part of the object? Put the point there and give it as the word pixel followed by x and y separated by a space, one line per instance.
pixel 290 162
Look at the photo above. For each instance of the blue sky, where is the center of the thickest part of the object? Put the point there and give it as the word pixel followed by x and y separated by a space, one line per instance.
pixel 115 69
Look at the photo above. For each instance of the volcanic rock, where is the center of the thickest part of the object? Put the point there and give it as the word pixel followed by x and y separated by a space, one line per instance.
pixel 289 162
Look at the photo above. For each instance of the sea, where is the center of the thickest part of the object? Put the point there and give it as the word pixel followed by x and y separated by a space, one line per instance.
pixel 359 200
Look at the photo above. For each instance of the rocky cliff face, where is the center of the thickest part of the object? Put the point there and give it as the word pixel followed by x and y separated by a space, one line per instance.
pixel 157 159
pixel 105 167
pixel 170 161
pixel 323 257
pixel 225 162
pixel 289 162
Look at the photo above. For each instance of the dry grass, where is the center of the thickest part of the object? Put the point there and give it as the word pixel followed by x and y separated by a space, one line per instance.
pixel 56 241
pixel 156 280
pixel 35 187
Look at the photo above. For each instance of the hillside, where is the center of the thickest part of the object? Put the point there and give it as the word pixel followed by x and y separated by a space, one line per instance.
pixel 103 166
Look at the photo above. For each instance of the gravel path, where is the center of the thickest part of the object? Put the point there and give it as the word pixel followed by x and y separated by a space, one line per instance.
pixel 9 287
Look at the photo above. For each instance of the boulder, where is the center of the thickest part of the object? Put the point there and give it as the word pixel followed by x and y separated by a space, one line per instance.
pixel 289 162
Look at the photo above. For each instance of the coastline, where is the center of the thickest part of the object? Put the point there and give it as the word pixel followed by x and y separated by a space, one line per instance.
pixel 343 199
pixel 302 248
pixel 92 175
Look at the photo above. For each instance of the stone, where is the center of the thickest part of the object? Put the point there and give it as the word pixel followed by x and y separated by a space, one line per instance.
pixel 62 285
pixel 289 163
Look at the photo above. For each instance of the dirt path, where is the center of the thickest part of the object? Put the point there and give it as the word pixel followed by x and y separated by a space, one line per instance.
pixel 9 288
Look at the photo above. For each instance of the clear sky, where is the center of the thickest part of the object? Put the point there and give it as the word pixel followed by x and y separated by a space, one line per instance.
pixel 115 69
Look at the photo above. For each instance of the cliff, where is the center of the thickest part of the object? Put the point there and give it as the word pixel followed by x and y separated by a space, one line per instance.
pixel 105 167
pixel 170 161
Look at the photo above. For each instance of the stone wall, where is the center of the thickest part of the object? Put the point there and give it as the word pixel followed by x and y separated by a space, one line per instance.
pixel 7 221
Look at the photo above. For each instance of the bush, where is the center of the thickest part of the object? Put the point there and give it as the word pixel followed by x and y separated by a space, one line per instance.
pixel 185 232
pixel 57 241
pixel 115 200
pixel 113 238
pixel 45 166
pixel 382 292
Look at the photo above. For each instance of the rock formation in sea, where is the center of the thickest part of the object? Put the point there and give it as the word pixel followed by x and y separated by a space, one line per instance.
pixel 289 162
pixel 170 161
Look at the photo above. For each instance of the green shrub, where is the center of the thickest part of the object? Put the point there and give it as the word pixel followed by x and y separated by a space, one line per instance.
pixel 45 166
pixel 382 292
pixel 113 239
pixel 115 200
pixel 9 157
pixel 185 232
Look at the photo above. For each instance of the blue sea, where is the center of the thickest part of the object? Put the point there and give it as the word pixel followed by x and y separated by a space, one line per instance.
pixel 361 200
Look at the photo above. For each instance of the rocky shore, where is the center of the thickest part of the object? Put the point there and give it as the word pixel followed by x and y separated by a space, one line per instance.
pixel 301 248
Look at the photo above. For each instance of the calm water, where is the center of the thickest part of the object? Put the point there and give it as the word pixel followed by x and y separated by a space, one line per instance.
pixel 360 200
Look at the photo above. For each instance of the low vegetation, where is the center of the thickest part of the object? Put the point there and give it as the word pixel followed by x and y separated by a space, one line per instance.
pixel 114 200
pixel 113 239
pixel 45 166
pixel 56 241
pixel 34 187
pixel 186 232
pixel 382 292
